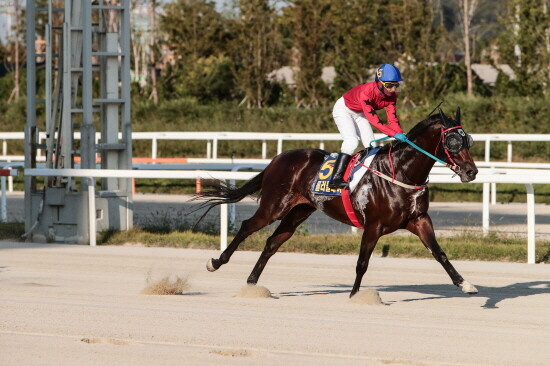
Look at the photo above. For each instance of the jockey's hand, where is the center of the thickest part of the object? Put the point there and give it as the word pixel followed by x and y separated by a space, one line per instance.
pixel 400 136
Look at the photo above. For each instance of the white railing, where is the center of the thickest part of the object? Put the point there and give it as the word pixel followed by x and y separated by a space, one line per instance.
pixel 212 139
pixel 3 205
pixel 485 176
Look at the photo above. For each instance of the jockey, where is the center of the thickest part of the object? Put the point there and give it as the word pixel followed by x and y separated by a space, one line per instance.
pixel 354 112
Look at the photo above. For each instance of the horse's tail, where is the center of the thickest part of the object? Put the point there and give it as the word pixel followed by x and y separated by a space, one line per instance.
pixel 219 192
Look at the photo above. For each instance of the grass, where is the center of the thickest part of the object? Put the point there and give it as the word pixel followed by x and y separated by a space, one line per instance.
pixel 465 246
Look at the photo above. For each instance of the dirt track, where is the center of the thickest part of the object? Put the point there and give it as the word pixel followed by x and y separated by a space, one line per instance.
pixel 77 305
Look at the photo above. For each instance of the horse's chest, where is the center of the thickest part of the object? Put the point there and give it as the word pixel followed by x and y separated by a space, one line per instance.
pixel 418 202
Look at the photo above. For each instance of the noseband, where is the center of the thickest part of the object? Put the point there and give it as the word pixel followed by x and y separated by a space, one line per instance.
pixel 454 140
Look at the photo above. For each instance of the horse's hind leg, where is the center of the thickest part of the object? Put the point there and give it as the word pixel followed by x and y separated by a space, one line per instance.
pixel 267 213
pixel 248 227
pixel 423 228
pixel 284 231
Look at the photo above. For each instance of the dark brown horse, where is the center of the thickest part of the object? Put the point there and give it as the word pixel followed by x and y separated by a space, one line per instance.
pixel 381 206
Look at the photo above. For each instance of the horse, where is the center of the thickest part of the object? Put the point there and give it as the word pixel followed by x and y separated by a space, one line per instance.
pixel 381 206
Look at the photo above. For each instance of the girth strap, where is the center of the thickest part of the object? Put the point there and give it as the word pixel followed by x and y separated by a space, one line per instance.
pixel 346 200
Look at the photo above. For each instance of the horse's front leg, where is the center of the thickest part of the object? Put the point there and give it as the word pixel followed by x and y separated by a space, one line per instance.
pixel 368 242
pixel 422 227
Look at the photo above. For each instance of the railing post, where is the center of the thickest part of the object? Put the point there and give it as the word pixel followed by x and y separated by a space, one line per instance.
pixel 91 212
pixel 209 149
pixel 279 145
pixel 264 149
pixel 509 152
pixel 485 214
pixel 488 149
pixel 154 146
pixel 215 148
pixel 10 181
pixel 223 226
pixel 3 210
pixel 530 224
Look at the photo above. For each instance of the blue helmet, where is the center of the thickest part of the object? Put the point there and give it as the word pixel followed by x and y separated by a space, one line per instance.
pixel 388 72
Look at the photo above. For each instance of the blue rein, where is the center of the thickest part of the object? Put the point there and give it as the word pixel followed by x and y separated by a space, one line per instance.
pixel 415 146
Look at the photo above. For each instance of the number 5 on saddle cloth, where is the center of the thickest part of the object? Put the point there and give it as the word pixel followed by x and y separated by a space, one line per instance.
pixel 320 185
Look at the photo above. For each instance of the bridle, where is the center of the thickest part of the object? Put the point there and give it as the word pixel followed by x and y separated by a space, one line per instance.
pixel 453 140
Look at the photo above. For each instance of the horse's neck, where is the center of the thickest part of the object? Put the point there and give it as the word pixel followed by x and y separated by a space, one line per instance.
pixel 414 165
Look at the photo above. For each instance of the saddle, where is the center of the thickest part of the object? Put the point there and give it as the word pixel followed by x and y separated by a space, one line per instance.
pixel 354 172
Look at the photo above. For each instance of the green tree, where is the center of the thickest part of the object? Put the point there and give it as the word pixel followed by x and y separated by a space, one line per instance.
pixel 256 46
pixel 414 37
pixel 194 29
pixel 357 38
pixel 525 45
pixel 308 23
pixel 198 35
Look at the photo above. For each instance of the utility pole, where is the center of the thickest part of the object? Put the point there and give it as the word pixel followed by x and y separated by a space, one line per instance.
pixel 152 40
pixel 468 9
pixel 13 10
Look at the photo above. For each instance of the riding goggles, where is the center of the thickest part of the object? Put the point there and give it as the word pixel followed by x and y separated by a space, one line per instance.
pixel 455 139
pixel 389 84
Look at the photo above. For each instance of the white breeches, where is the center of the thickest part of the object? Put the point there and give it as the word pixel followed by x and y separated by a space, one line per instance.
pixel 353 127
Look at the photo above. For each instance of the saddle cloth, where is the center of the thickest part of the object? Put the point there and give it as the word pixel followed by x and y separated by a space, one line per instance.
pixel 320 185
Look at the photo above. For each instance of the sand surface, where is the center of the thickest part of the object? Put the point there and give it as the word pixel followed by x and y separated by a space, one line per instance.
pixel 79 305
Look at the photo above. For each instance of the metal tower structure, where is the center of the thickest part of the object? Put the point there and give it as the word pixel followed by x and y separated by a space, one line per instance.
pixel 84 94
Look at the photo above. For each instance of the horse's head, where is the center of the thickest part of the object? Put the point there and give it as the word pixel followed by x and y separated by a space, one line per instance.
pixel 454 147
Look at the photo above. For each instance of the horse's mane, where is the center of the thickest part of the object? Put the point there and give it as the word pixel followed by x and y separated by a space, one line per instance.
pixel 415 131
pixel 420 126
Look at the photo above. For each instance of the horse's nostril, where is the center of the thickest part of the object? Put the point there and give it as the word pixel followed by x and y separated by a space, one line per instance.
pixel 471 173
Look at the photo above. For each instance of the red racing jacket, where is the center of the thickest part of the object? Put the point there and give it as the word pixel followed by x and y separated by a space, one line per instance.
pixel 366 99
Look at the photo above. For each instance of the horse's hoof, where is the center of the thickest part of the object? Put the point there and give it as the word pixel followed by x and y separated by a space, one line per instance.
pixel 210 265
pixel 468 288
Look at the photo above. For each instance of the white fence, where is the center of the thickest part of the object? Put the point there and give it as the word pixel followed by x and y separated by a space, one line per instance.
pixel 485 176
pixel 212 139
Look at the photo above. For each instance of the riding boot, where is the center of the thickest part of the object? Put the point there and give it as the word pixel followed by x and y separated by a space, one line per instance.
pixel 339 169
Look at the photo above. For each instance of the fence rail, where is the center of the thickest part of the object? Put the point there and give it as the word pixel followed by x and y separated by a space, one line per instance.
pixel 485 176
pixel 212 139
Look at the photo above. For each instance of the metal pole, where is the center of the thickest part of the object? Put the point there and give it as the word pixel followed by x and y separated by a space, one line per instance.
pixel 31 107
pixel 87 148
pixel 125 92
pixel 530 224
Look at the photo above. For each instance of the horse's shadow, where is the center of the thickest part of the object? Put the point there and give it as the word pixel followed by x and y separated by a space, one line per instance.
pixel 494 295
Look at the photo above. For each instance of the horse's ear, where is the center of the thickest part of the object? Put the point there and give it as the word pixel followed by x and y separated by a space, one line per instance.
pixel 444 118
pixel 457 115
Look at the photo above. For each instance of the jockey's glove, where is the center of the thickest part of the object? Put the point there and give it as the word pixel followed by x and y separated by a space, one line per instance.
pixel 400 136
